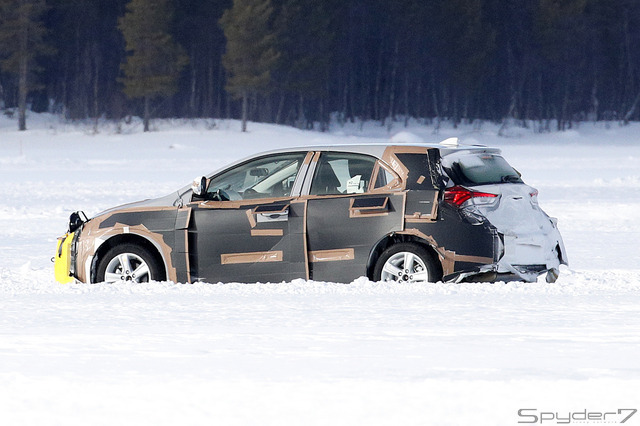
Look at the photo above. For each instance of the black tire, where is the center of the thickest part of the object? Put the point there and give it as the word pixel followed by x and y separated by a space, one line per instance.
pixel 393 259
pixel 110 267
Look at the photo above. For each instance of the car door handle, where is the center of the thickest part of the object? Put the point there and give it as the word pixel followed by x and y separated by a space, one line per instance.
pixel 369 206
pixel 273 216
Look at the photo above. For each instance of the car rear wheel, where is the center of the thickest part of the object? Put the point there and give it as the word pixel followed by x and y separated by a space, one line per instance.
pixel 407 262
pixel 128 263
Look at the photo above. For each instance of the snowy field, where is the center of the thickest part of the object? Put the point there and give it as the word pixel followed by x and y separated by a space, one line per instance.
pixel 313 353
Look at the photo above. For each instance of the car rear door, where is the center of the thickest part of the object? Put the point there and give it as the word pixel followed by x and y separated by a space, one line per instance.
pixel 350 208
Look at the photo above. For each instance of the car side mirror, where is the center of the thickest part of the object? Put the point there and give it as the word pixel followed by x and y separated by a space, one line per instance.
pixel 199 187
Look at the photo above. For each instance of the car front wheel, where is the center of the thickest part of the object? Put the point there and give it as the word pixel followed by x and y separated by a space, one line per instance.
pixel 407 262
pixel 128 263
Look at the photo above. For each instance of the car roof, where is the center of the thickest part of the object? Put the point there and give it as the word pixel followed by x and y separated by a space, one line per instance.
pixel 377 149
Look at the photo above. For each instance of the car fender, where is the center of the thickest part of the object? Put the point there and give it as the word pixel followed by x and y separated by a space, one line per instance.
pixel 397 237
pixel 140 237
pixel 99 231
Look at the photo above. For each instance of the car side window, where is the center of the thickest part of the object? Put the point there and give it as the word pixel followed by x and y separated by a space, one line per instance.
pixel 342 173
pixel 384 178
pixel 267 177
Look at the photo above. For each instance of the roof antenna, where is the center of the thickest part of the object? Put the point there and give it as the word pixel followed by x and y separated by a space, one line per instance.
pixel 451 142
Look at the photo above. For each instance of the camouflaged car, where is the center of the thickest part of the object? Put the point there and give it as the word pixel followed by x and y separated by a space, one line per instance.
pixel 404 213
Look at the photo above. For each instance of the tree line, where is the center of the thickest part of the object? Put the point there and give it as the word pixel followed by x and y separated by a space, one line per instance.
pixel 307 62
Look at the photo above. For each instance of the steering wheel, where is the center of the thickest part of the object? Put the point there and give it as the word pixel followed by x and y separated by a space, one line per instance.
pixel 220 195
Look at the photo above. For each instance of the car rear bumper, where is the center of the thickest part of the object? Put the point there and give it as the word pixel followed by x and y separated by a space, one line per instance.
pixel 521 258
pixel 530 255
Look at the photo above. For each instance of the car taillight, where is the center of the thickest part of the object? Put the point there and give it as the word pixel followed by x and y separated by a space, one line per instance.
pixel 534 196
pixel 458 195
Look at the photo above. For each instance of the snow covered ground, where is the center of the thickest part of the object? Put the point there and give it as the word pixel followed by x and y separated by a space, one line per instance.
pixel 311 352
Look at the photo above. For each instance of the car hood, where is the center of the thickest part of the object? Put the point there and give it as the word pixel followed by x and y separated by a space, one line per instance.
pixel 175 199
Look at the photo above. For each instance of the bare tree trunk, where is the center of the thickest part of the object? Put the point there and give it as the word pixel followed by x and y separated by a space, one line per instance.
pixel 540 100
pixel 301 121
pixel 392 89
pixel 594 99
pixel 345 101
pixel 510 115
pixel 456 118
pixel 96 80
pixel 87 72
pixel 22 93
pixel 267 113
pixel 632 110
pixel 418 108
pixel 465 109
pixel 324 124
pixel 512 85
pixel 23 74
pixel 406 99
pixel 227 106
pixel 436 110
pixel 208 106
pixel 376 95
pixel 627 52
pixel 253 106
pixel 245 106
pixel 351 94
pixel 280 108
pixel 146 114
pixel 218 112
pixel 283 97
pixel 192 97
pixel 562 121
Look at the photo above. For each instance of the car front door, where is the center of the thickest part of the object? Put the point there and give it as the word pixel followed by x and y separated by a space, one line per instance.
pixel 350 207
pixel 248 228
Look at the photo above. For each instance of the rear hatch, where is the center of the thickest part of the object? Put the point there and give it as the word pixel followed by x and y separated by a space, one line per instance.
pixel 486 188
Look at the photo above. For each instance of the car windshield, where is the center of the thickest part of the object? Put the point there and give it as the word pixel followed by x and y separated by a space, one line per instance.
pixel 479 169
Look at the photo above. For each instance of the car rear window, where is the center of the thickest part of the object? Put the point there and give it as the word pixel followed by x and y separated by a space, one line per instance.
pixel 479 169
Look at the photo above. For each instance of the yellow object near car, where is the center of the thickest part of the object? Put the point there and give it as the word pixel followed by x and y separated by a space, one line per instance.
pixel 62 261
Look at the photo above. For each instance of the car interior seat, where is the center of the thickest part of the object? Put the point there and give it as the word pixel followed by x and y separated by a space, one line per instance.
pixel 362 168
pixel 325 182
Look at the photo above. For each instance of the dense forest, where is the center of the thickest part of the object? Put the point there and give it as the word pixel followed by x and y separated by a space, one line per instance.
pixel 306 62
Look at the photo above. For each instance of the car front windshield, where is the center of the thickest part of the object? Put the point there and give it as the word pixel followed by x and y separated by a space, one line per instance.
pixel 480 169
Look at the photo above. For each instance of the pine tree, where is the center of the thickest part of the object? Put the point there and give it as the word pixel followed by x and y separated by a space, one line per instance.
pixel 306 42
pixel 197 30
pixel 467 43
pixel 154 60
pixel 563 35
pixel 251 53
pixel 21 43
pixel 82 78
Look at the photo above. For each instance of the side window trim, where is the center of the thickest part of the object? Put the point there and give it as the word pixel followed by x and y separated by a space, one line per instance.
pixel 382 167
pixel 298 185
pixel 311 171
